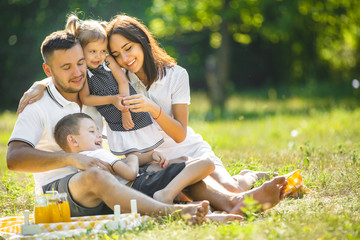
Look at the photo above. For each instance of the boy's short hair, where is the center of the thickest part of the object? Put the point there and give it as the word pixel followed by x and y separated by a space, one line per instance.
pixel 59 40
pixel 68 125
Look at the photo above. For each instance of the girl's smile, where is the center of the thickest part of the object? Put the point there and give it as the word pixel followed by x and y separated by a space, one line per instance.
pixel 95 53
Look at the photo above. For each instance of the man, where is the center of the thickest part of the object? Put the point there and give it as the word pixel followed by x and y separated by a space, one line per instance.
pixel 32 148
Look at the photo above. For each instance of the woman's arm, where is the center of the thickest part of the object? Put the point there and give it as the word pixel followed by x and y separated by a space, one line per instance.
pixel 127 170
pixel 34 93
pixel 174 127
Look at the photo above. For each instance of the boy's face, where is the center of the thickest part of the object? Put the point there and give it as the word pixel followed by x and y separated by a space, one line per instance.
pixel 89 137
pixel 95 53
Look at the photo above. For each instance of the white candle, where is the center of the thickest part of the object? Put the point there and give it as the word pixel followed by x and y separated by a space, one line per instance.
pixel 133 206
pixel 117 213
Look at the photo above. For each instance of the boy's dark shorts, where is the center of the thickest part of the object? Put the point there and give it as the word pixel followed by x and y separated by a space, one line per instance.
pixel 76 210
pixel 151 182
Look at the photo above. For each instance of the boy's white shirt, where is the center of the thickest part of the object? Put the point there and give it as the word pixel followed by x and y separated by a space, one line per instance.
pixel 105 156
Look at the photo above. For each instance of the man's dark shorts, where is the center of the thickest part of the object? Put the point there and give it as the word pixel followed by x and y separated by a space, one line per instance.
pixel 76 210
pixel 153 181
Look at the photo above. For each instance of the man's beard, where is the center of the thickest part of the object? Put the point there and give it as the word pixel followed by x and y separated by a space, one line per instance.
pixel 66 88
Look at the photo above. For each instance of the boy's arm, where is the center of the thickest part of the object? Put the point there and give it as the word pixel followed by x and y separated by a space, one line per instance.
pixel 127 170
pixel 24 158
pixel 93 100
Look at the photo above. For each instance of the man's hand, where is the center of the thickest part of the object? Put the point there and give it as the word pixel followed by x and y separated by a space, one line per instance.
pixel 159 157
pixel 84 162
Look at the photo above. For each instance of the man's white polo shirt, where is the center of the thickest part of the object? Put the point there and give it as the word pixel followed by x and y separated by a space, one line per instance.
pixel 35 126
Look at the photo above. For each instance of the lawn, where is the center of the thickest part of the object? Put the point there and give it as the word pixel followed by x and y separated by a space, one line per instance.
pixel 320 136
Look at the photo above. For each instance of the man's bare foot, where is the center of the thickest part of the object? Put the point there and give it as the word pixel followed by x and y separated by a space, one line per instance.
pixel 163 196
pixel 224 218
pixel 194 213
pixel 267 195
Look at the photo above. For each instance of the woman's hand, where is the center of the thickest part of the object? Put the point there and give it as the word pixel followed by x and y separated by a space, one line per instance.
pixel 32 95
pixel 139 103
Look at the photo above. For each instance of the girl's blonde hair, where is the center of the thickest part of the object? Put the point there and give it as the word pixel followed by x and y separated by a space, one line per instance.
pixel 86 31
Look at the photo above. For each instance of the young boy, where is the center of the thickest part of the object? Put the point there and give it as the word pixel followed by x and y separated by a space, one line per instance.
pixel 78 133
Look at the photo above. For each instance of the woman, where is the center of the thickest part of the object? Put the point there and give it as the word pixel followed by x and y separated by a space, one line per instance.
pixel 164 92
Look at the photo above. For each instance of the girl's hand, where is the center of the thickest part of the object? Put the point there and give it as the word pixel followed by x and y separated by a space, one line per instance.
pixel 111 60
pixel 126 119
pixel 159 157
pixel 139 103
pixel 32 95
pixel 117 102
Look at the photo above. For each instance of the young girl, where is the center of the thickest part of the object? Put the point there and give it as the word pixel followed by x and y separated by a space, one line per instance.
pixel 106 86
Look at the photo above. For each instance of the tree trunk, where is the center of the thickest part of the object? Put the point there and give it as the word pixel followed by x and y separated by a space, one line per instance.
pixel 217 66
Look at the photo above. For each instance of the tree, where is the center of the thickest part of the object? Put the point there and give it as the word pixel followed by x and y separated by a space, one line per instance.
pixel 267 42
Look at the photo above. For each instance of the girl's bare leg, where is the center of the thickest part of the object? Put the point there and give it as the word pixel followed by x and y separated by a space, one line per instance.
pixel 194 171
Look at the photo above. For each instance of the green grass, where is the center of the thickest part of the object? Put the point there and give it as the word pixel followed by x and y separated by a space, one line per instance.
pixel 320 136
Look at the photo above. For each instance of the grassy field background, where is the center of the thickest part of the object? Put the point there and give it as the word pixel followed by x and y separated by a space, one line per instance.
pixel 318 135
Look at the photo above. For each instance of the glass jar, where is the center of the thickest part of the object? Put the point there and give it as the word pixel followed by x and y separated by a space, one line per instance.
pixel 59 208
pixel 41 211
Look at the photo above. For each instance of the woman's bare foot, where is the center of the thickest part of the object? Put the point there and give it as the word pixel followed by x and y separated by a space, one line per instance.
pixel 194 213
pixel 267 195
pixel 163 196
pixel 247 178
pixel 245 181
pixel 258 174
pixel 224 218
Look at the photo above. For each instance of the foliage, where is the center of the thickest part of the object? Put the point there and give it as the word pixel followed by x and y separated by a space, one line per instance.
pixel 272 43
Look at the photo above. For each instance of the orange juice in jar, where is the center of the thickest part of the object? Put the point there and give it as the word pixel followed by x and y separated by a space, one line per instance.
pixel 64 207
pixel 41 211
pixel 58 207
pixel 54 208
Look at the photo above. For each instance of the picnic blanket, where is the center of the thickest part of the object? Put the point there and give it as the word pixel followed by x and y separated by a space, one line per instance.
pixel 10 227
